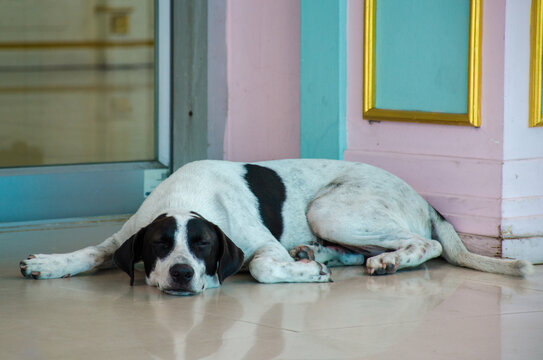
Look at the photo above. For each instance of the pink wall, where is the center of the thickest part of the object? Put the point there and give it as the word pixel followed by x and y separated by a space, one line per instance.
pixel 263 71
pixel 458 169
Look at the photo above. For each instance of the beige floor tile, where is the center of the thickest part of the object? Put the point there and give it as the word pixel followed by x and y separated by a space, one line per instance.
pixel 534 282
pixel 492 337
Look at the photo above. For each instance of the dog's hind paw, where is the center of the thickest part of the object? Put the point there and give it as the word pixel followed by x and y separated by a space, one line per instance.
pixel 302 252
pixel 386 263
pixel 324 273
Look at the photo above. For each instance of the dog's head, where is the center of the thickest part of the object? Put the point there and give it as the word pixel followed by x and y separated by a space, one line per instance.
pixel 183 254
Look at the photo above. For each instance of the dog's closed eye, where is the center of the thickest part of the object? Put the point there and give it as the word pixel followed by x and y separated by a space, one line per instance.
pixel 202 243
pixel 162 245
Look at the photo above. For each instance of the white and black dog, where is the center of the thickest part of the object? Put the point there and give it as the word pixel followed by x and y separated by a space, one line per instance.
pixel 284 220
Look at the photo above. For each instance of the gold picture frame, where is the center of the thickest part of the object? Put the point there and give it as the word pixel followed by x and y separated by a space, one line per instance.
pixel 472 117
pixel 536 60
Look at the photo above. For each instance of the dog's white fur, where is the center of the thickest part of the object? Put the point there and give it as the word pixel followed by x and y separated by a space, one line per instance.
pixel 350 204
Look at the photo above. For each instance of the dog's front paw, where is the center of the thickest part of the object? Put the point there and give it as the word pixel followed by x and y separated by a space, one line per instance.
pixel 45 266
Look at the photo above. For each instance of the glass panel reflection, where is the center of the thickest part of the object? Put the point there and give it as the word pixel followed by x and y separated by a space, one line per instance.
pixel 76 81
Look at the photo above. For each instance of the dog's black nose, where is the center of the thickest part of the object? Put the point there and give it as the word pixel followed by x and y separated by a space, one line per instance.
pixel 181 273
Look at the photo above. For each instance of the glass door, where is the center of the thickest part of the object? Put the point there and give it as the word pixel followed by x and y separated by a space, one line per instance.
pixel 84 106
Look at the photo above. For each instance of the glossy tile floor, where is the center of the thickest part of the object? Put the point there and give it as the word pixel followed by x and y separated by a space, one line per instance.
pixel 436 311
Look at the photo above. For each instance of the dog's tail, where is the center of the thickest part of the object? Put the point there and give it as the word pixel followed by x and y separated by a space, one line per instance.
pixel 456 253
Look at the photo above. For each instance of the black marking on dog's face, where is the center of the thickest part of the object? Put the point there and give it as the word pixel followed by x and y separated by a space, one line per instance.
pixel 270 192
pixel 152 242
pixel 207 242
pixel 203 242
pixel 159 241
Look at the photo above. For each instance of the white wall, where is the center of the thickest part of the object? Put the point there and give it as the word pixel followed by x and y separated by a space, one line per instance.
pixel 522 206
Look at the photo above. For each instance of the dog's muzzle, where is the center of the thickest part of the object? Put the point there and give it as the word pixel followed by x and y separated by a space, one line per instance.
pixel 181 276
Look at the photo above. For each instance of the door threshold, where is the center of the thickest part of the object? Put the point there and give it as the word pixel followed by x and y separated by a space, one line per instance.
pixel 67 223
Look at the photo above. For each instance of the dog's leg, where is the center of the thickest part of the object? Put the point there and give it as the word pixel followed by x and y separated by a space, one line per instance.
pixel 51 266
pixel 327 255
pixel 411 250
pixel 273 264
pixel 346 213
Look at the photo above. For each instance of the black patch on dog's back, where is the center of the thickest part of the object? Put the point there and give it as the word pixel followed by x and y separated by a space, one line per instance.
pixel 271 193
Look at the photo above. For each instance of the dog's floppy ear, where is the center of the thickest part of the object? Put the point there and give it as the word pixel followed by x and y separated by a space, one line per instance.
pixel 230 256
pixel 129 253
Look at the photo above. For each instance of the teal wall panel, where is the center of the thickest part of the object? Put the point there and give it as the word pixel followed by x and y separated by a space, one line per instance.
pixel 74 192
pixel 323 78
pixel 422 55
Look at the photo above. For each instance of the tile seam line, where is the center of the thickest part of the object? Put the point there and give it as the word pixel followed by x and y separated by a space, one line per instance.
pixel 249 322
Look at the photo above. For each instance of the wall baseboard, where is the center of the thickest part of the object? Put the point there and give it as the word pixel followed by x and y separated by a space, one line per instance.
pixel 530 249
pixel 482 245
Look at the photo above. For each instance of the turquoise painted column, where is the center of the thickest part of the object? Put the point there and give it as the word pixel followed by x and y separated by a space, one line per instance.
pixel 323 78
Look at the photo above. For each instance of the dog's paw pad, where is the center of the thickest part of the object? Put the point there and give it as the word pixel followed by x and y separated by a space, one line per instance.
pixel 22 267
pixel 302 252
